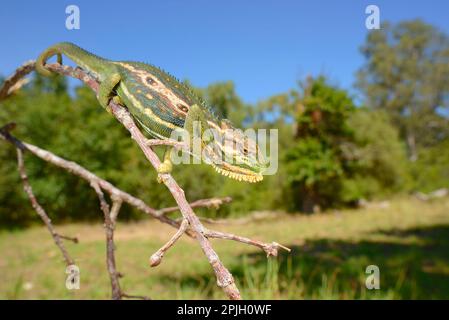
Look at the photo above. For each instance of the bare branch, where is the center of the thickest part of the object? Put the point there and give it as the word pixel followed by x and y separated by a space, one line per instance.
pixel 116 205
pixel 110 246
pixel 73 239
pixel 271 249
pixel 40 211
pixel 206 203
pixel 16 80
pixel 156 258
pixel 128 296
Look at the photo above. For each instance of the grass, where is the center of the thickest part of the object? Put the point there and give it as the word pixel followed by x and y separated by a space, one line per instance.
pixel 409 242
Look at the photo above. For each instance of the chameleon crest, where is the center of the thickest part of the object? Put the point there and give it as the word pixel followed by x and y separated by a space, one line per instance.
pixel 161 104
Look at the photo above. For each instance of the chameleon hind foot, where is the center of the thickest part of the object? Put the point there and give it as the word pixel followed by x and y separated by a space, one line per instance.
pixel 164 167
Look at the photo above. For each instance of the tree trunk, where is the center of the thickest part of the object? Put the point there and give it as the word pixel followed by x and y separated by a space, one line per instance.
pixel 309 201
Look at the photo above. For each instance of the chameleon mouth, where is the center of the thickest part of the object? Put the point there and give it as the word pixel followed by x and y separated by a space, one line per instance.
pixel 252 178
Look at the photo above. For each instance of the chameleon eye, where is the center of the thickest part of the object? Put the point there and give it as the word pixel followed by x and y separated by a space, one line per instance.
pixel 150 81
pixel 245 151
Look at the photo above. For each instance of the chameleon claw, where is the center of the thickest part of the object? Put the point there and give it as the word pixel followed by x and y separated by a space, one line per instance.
pixel 161 178
pixel 108 109
pixel 116 100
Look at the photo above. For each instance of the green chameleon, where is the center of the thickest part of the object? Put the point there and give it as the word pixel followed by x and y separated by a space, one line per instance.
pixel 162 104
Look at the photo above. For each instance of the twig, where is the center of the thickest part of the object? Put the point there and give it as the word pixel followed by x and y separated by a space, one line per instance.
pixel 40 211
pixel 15 81
pixel 271 249
pixel 116 205
pixel 205 203
pixel 156 258
pixel 110 247
pixel 73 239
pixel 128 296
pixel 109 224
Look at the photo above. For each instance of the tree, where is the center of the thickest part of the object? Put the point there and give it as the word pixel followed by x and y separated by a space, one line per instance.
pixel 318 161
pixel 407 74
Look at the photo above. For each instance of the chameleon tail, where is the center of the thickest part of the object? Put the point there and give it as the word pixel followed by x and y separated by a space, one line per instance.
pixel 80 56
pixel 42 59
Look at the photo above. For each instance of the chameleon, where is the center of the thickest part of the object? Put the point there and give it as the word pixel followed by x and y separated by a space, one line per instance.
pixel 162 104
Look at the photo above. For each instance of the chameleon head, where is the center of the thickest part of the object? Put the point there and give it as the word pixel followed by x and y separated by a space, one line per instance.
pixel 235 155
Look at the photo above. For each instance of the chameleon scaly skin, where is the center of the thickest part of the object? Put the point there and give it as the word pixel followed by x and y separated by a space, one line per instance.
pixel 161 104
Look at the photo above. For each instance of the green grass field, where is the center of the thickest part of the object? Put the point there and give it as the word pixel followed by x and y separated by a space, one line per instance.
pixel 409 241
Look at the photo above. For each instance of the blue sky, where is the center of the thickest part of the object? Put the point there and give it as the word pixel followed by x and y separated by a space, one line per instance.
pixel 263 46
